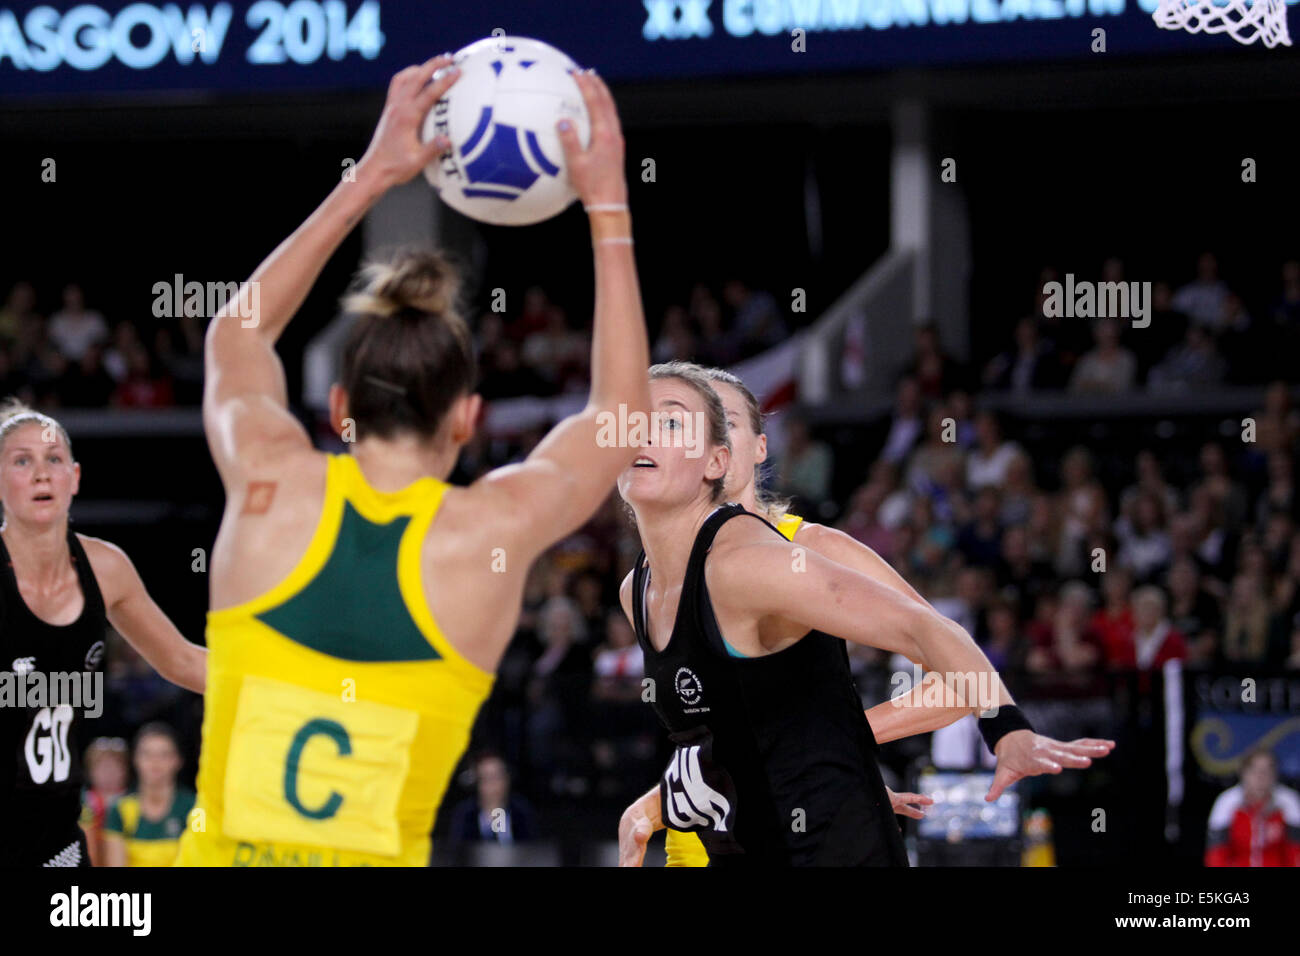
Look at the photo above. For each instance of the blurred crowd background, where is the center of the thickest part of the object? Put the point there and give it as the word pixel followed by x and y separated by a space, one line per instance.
pixel 1083 561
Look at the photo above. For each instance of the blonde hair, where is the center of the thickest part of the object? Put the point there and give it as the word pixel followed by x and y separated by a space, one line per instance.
pixel 106 747
pixel 714 414
pixel 417 279
pixel 770 506
pixel 14 413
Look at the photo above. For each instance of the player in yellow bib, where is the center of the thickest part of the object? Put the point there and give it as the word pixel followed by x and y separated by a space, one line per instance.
pixel 360 604
pixel 144 828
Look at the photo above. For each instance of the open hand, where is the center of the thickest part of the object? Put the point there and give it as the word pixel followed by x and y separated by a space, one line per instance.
pixel 597 171
pixel 396 153
pixel 1023 753
pixel 909 804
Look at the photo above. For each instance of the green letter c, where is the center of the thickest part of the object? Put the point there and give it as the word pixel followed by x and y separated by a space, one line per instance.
pixel 328 728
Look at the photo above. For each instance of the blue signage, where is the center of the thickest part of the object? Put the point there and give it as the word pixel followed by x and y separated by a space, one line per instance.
pixel 101 47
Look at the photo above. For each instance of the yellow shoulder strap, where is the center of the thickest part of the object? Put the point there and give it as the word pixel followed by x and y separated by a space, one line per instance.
pixel 788 525
pixel 420 497
pixel 129 807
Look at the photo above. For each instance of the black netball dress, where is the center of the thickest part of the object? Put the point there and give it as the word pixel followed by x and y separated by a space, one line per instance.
pixel 40 759
pixel 775 762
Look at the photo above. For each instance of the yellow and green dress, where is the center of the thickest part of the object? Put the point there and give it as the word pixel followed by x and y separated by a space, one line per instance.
pixel 149 842
pixel 336 710
pixel 685 849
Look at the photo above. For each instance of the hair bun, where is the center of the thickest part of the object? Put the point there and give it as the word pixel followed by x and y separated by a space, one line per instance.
pixel 419 280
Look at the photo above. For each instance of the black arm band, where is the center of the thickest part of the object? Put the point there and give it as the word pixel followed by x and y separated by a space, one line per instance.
pixel 1008 719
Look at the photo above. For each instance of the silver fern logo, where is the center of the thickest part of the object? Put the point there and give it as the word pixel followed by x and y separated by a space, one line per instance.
pixel 689 688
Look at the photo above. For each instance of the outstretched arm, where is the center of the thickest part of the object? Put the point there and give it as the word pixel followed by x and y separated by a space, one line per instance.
pixel 571 472
pixel 920 711
pixel 134 615
pixel 849 551
pixel 754 576
pixel 931 705
pixel 245 400
pixel 923 709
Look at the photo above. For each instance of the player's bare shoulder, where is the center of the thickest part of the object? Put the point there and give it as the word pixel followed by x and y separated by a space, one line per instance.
pixel 743 533
pixel 113 570
pixel 742 549
pixel 474 513
pixel 495 510
pixel 810 534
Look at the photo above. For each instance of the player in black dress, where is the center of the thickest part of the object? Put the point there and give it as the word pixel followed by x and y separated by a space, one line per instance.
pixel 775 763
pixel 59 592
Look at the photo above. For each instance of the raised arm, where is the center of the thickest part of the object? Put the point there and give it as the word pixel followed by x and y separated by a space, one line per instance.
pixel 245 401
pixel 573 469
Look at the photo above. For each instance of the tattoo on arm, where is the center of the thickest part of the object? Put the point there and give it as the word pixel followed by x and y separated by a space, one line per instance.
pixel 258 499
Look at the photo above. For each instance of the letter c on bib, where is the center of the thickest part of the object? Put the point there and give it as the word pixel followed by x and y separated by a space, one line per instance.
pixel 328 728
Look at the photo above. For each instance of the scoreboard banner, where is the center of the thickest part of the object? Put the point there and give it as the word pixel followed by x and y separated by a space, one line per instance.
pixel 77 48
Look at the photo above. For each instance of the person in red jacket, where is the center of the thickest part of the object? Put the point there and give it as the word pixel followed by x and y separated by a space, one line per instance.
pixel 1113 622
pixel 1152 640
pixel 1257 822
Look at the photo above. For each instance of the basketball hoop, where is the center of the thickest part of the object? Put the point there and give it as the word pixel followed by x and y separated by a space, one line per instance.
pixel 1246 20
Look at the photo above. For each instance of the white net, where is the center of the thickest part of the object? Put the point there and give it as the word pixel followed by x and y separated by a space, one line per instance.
pixel 1246 20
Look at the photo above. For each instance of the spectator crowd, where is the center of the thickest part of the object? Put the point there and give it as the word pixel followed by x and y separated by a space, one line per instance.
pixel 77 358
pixel 1060 570
pixel 1200 335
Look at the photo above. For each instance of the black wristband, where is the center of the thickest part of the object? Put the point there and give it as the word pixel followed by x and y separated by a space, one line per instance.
pixel 1008 719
